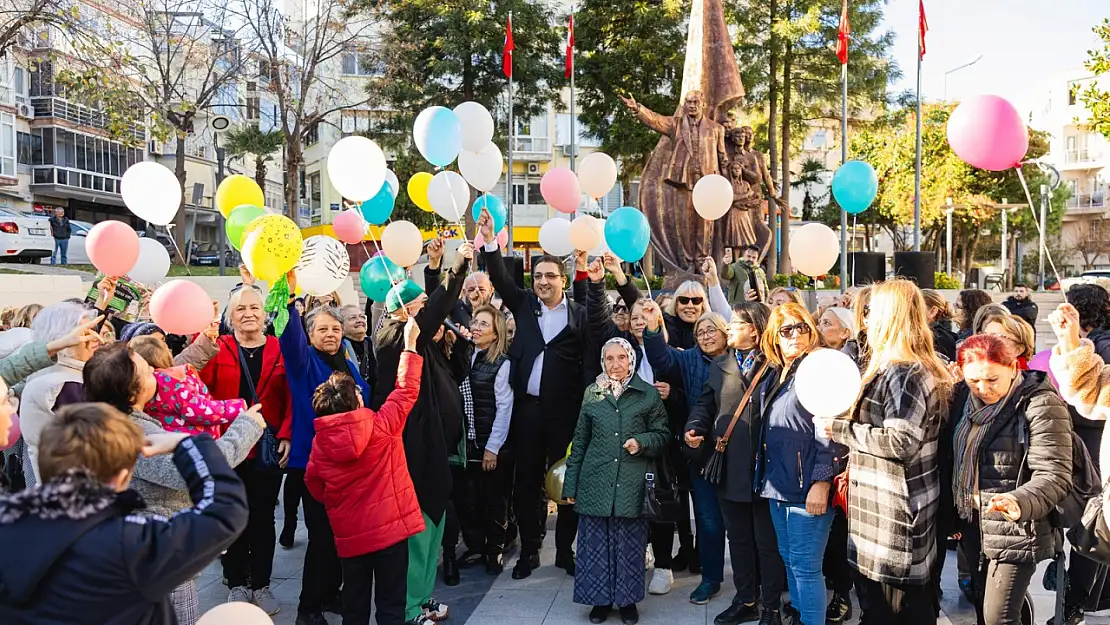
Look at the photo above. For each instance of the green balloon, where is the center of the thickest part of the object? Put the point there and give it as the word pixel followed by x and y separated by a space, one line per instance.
pixel 238 220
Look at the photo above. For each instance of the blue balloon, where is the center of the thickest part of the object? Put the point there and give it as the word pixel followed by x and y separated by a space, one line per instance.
pixel 378 275
pixel 377 209
pixel 855 185
pixel 627 234
pixel 438 135
pixel 496 209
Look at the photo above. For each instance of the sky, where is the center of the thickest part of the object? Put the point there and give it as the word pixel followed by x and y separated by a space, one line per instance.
pixel 1024 43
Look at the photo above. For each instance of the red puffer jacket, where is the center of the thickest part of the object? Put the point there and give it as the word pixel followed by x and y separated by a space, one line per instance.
pixel 357 468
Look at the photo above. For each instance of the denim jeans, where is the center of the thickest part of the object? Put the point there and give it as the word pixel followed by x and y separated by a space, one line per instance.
pixel 710 529
pixel 61 248
pixel 802 537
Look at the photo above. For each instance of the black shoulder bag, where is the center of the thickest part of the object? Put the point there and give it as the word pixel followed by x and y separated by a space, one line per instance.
pixel 268 459
pixel 662 497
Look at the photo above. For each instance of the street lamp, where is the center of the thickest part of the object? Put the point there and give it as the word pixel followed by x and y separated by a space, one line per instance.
pixel 948 236
pixel 956 69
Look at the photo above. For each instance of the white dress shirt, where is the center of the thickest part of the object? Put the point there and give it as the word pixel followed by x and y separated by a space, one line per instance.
pixel 503 396
pixel 552 321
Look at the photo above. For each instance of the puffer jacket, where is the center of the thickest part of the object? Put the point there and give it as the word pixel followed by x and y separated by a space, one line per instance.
pixel 1026 453
pixel 689 367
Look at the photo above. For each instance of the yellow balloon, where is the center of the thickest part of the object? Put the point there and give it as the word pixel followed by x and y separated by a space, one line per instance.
pixel 237 190
pixel 553 482
pixel 418 190
pixel 272 246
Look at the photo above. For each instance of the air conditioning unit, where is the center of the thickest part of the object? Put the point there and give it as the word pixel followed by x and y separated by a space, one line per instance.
pixel 533 168
pixel 570 150
pixel 25 111
pixel 155 147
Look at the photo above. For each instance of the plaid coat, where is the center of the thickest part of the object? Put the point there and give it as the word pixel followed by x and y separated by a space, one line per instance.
pixel 894 488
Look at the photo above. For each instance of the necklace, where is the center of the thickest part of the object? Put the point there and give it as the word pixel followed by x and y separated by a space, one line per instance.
pixel 251 352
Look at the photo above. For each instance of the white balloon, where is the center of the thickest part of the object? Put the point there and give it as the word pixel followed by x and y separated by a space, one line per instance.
pixel 813 249
pixel 152 192
pixel 235 613
pixel 827 383
pixel 323 266
pixel 477 125
pixel 402 243
pixel 712 196
pixel 482 169
pixel 356 167
pixel 449 195
pixel 394 184
pixel 584 233
pixel 555 237
pixel 153 264
pixel 597 173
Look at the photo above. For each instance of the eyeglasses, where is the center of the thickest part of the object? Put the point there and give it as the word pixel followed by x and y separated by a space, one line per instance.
pixel 480 325
pixel 705 333
pixel 686 301
pixel 549 276
pixel 798 329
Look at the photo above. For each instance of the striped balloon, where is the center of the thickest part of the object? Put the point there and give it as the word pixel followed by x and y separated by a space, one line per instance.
pixel 324 265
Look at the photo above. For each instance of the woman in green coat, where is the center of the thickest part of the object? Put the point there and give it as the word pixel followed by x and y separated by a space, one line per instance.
pixel 623 423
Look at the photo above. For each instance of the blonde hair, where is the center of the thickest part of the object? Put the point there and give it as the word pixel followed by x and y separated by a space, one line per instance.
pixel 769 342
pixel 690 288
pixel 500 327
pixel 1014 326
pixel 988 311
pixel 153 350
pixel 794 295
pixel 861 301
pixel 95 437
pixel 312 302
pixel 24 316
pixel 900 333
pixel 8 313
pixel 933 299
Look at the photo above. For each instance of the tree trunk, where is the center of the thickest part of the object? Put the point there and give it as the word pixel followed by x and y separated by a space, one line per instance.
pixel 784 190
pixel 293 160
pixel 179 220
pixel 772 135
pixel 260 171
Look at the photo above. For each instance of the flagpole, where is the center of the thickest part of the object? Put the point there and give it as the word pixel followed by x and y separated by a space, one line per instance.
pixel 917 159
pixel 509 176
pixel 573 133
pixel 843 159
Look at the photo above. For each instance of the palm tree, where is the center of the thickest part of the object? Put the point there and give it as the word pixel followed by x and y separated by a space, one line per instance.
pixel 813 173
pixel 262 145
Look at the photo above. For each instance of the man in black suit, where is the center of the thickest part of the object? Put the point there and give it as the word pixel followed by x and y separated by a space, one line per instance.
pixel 553 359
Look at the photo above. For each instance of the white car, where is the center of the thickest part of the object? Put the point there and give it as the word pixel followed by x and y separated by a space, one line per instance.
pixel 24 237
pixel 80 229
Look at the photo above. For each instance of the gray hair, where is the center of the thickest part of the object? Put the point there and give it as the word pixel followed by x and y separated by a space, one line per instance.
pixel 690 288
pixel 331 311
pixel 981 315
pixel 58 320
pixel 237 297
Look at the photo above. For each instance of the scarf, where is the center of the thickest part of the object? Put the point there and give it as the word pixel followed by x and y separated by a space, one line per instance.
pixel 337 361
pixel 966 443
pixel 613 385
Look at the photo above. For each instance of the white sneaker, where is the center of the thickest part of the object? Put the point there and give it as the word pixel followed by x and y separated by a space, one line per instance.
pixel 661 581
pixel 239 594
pixel 649 558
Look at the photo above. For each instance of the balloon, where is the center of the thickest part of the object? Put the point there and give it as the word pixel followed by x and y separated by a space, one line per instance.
pixel 377 209
pixel 496 209
pixel 627 234
pixel 813 249
pixel 235 613
pixel 602 247
pixel 712 196
pixel 323 266
pixel 438 135
pixel 555 237
pixel 356 168
pixel 152 192
pixel 418 190
pixel 482 169
pixel 112 247
pixel 855 185
pixel 13 433
pixel 553 483
pixel 181 307
pixel 349 227
pixel 828 383
pixel 153 263
pixel 237 190
pixel 449 195
pixel 988 132
pixel 583 233
pixel 559 188
pixel 597 173
pixel 378 275
pixel 395 185
pixel 272 246
pixel 238 220
pixel 502 239
pixel 477 126
pixel 402 243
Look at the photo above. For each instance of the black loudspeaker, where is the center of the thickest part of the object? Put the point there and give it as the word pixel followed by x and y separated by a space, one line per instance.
pixel 866 267
pixel 920 267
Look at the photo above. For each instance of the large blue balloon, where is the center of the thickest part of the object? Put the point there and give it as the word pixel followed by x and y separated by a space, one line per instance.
pixel 378 275
pixel 496 209
pixel 855 185
pixel 627 234
pixel 377 209
pixel 438 135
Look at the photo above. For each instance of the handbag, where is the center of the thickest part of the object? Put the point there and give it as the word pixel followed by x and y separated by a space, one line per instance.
pixel 662 496
pixel 268 460
pixel 840 491
pixel 716 463
pixel 1091 538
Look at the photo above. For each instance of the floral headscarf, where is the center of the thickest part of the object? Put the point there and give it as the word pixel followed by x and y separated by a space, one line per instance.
pixel 614 386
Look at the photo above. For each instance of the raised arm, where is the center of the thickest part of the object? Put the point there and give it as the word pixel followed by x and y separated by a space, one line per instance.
pixel 294 342
pixel 442 300
pixel 599 312
pixel 503 283
pixel 1084 379
pixel 662 124
pixel 662 357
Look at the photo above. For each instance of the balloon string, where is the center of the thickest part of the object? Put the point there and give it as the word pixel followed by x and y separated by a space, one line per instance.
pixel 367 232
pixel 173 240
pixel 1040 226
pixel 647 283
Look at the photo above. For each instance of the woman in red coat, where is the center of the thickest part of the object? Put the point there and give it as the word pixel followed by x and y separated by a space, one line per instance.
pixel 260 381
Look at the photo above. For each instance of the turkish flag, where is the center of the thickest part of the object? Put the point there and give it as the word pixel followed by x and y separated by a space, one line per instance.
pixel 570 46
pixel 842 35
pixel 922 27
pixel 507 53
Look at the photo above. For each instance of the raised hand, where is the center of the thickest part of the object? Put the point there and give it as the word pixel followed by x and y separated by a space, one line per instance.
pixel 435 253
pixel 581 260
pixel 107 290
pixel 596 272
pixel 654 316
pixel 83 334
pixel 709 270
pixel 630 102
pixel 246 275
pixel 485 226
pixel 466 250
pixel 613 266
pixel 1065 323
pixel 412 333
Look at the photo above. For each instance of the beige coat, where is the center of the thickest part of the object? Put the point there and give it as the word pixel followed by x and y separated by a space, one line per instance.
pixel 1084 382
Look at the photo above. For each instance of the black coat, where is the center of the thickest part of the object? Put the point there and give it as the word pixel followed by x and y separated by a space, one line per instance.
pixel 1024 308
pixel 680 334
pixel 944 340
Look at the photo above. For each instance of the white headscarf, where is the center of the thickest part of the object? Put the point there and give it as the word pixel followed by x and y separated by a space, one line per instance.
pixel 615 386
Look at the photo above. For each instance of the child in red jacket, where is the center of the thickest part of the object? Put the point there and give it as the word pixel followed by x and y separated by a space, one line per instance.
pixel 357 468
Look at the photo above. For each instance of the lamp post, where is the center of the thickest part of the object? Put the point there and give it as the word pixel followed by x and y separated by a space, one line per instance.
pixel 948 236
pixel 1004 228
pixel 956 69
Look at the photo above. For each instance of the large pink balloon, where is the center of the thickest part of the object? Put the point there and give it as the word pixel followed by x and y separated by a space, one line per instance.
pixel 113 247
pixel 559 187
pixel 349 227
pixel 987 132
pixel 181 307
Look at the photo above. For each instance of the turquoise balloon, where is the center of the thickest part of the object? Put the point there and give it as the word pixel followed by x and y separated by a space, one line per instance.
pixel 378 275
pixel 496 209
pixel 377 209
pixel 438 135
pixel 627 234
pixel 854 186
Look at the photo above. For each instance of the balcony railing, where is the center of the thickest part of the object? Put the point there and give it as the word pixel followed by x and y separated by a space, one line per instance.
pixel 81 115
pixel 52 174
pixel 532 147
pixel 1083 201
pixel 1083 155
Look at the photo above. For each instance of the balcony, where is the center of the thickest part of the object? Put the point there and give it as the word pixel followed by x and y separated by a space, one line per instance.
pixel 1088 203
pixel 531 148
pixel 61 109
pixel 69 182
pixel 1082 158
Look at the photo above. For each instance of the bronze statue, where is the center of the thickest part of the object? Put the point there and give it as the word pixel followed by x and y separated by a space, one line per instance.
pixel 755 173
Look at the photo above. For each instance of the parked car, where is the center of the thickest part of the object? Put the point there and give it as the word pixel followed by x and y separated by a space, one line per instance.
pixel 208 255
pixel 80 229
pixel 23 237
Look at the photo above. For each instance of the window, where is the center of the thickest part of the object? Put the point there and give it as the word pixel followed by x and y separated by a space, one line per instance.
pixel 42 79
pixel 1073 92
pixel 359 63
pixel 253 106
pixel 19 85
pixel 354 121
pixel 28 148
pixel 534 195
pixel 818 140
pixel 518 194
pixel 314 193
pixel 7 144
pixel 312 134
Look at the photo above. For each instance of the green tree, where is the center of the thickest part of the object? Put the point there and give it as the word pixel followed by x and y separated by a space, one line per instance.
pixel 813 174
pixel 1094 98
pixel 250 140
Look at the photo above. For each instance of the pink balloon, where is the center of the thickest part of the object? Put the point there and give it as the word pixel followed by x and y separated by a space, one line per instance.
pixel 559 187
pixel 988 132
pixel 1039 362
pixel 13 433
pixel 113 247
pixel 349 227
pixel 502 239
pixel 181 307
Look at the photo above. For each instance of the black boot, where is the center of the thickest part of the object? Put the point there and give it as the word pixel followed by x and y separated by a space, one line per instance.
pixel 738 612
pixel 525 565
pixel 495 564
pixel 839 610
pixel 450 569
pixel 629 615
pixel 566 562
pixel 288 531
pixel 600 613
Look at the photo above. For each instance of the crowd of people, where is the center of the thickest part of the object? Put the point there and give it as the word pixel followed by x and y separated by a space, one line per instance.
pixel 401 427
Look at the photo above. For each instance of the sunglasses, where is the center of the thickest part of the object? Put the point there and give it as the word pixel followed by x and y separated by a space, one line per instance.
pixel 686 301
pixel 798 329
pixel 620 309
